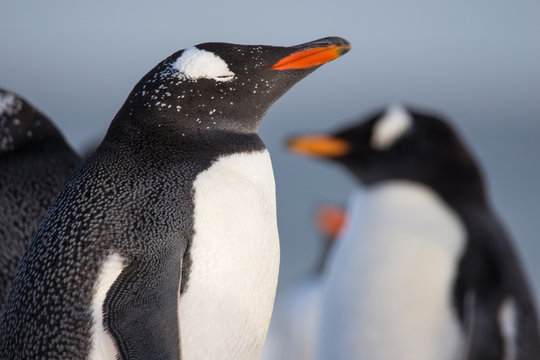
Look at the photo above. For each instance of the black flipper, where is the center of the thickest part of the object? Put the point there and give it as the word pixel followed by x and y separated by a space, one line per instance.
pixel 141 308
pixel 491 271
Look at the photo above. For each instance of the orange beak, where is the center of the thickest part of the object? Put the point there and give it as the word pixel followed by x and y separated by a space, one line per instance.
pixel 331 220
pixel 308 58
pixel 318 146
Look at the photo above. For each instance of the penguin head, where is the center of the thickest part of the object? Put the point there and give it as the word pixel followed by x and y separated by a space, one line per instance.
pixel 225 86
pixel 397 143
pixel 22 125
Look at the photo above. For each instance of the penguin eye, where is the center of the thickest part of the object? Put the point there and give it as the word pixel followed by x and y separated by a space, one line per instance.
pixel 225 77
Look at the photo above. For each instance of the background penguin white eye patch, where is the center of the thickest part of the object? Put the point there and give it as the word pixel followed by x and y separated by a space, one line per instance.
pixel 389 128
pixel 196 64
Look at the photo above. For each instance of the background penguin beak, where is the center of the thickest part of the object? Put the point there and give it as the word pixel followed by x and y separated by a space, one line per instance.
pixel 331 220
pixel 318 146
pixel 313 54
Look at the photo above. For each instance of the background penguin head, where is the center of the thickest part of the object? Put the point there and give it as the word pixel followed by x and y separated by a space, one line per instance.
pixel 225 86
pixel 22 125
pixel 397 143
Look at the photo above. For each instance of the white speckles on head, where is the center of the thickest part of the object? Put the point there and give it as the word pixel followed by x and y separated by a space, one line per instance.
pixel 507 317
pixel 196 64
pixel 102 343
pixel 389 128
pixel 10 104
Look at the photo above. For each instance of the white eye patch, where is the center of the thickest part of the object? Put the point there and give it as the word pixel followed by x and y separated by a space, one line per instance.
pixel 196 64
pixel 389 128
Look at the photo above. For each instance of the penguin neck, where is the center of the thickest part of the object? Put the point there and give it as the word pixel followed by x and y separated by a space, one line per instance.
pixel 179 135
pixel 189 115
pixel 461 189
pixel 459 184
pixel 459 180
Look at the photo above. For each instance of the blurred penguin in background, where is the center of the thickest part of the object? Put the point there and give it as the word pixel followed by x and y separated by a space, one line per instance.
pixel 293 330
pixel 425 269
pixel 35 160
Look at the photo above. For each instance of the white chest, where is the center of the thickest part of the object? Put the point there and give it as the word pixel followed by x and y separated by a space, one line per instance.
pixel 389 287
pixel 225 312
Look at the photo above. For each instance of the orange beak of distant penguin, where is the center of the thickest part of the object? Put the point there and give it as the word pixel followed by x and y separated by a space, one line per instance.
pixel 318 146
pixel 308 58
pixel 331 220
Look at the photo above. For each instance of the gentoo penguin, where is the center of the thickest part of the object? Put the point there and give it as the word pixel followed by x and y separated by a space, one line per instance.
pixel 425 270
pixel 164 243
pixel 35 160
pixel 293 330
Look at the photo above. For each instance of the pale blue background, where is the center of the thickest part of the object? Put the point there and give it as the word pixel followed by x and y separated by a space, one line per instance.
pixel 478 62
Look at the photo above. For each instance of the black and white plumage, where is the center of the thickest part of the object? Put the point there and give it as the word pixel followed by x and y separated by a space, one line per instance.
pixel 35 160
pixel 164 243
pixel 425 269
